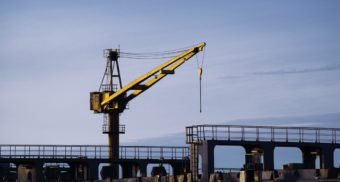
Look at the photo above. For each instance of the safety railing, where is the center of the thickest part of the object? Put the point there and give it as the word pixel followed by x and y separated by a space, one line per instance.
pixel 199 133
pixel 227 170
pixel 108 87
pixel 149 152
pixel 106 128
pixel 92 152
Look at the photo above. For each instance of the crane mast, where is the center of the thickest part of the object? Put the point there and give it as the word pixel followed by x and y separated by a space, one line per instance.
pixel 112 101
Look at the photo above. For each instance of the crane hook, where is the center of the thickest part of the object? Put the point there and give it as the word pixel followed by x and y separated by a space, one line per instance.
pixel 200 71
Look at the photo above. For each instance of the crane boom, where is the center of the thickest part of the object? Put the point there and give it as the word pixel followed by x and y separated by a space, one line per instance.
pixel 147 80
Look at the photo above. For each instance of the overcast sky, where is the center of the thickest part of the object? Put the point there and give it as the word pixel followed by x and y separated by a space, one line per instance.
pixel 263 59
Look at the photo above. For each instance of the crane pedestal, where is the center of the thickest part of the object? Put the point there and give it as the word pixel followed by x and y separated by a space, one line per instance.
pixel 113 136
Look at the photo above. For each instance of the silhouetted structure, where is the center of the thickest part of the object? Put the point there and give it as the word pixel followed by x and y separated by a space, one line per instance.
pixel 81 162
pixel 260 140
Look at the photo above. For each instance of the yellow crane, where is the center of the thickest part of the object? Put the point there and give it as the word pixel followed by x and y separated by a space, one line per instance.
pixel 113 101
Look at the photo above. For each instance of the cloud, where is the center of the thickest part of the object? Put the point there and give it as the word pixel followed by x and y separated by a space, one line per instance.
pixel 231 77
pixel 299 71
pixel 285 72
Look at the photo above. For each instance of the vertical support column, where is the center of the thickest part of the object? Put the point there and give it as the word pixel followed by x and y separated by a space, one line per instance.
pixel 268 157
pixel 39 171
pixel 248 156
pixel 207 160
pixel 178 169
pixel 186 166
pixel 194 159
pixel 113 122
pixel 129 170
pixel 134 170
pixel 79 171
pixel 308 157
pixel 327 157
pixel 93 171
pixel 253 158
pixel 32 172
pixel 143 169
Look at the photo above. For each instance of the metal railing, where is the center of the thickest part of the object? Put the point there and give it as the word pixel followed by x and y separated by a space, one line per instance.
pixel 108 87
pixel 106 128
pixel 199 133
pixel 227 170
pixel 149 152
pixel 92 152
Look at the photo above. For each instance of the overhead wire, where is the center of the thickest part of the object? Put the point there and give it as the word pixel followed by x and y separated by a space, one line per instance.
pixel 154 55
pixel 169 54
pixel 160 55
pixel 141 57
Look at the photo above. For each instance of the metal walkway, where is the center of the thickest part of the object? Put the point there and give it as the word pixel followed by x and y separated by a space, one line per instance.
pixel 92 152
pixel 83 161
pixel 199 133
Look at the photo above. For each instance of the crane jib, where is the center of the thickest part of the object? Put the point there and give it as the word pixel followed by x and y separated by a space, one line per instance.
pixel 160 71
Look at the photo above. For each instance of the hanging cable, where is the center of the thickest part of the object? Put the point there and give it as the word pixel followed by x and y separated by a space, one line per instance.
pixel 200 72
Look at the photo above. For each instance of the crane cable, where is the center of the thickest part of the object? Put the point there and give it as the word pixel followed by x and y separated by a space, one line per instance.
pixel 200 72
pixel 169 54
pixel 154 55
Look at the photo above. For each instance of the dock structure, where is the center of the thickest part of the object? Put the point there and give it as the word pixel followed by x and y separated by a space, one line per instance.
pixel 262 140
pixel 192 163
pixel 82 162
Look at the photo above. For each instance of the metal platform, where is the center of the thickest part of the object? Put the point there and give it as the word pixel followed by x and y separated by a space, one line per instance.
pixel 199 133
pixel 261 140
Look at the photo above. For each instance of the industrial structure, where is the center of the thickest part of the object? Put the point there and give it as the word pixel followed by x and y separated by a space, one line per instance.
pixel 112 101
pixel 194 162
pixel 84 162
pixel 259 143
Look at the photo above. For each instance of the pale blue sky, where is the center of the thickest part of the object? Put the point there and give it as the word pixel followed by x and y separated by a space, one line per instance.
pixel 263 59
